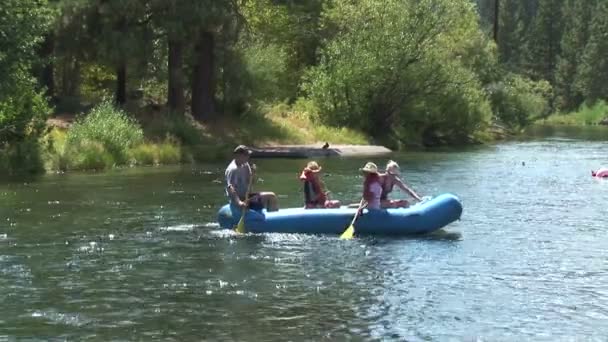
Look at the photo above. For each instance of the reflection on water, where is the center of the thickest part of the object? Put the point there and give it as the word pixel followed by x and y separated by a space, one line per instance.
pixel 136 254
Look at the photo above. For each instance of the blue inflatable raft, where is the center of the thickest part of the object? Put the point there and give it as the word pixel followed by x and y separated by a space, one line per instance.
pixel 420 218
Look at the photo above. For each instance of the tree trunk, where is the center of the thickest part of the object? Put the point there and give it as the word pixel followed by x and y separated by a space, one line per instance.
pixel 70 76
pixel 496 16
pixel 121 84
pixel 176 100
pixel 47 78
pixel 203 85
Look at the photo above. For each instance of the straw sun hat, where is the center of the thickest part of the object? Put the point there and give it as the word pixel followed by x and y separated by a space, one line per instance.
pixel 370 168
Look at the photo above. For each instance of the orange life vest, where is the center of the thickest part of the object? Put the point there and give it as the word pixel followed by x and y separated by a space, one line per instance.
pixel 313 191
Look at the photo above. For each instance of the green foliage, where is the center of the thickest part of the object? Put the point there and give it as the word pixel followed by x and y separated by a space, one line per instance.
pixel 91 155
pixel 55 156
pixel 593 70
pixel 173 125
pixel 577 15
pixel 517 99
pixel 23 109
pixel 144 154
pixel 395 64
pixel 22 24
pixel 544 40
pixel 106 128
pixel 165 153
pixel 169 153
pixel 585 115
pixel 268 72
pixel 512 33
pixel 21 157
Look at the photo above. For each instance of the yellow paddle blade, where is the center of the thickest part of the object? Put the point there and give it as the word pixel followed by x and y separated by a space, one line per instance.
pixel 240 227
pixel 348 233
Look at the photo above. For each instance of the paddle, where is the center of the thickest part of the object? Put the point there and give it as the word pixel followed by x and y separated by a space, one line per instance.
pixel 240 227
pixel 350 231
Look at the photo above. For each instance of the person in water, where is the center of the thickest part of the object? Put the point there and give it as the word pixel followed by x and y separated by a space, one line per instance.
pixel 239 175
pixel 389 179
pixel 372 186
pixel 315 194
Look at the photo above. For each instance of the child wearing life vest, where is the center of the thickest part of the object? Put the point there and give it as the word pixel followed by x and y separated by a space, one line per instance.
pixel 315 195
pixel 372 186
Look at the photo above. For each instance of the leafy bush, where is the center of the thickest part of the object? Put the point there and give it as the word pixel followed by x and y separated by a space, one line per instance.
pixel 174 126
pixel 585 115
pixel 393 65
pixel 169 153
pixel 55 155
pixel 91 155
pixel 268 72
pixel 516 99
pixel 109 127
pixel 144 154
pixel 21 157
pixel 23 111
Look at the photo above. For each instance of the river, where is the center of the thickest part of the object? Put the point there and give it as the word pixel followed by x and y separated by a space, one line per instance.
pixel 135 254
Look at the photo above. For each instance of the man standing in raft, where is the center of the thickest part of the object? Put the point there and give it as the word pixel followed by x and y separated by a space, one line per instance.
pixel 315 194
pixel 238 177
pixel 389 179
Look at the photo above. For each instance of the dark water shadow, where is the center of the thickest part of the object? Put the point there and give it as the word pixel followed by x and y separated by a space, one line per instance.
pixel 439 235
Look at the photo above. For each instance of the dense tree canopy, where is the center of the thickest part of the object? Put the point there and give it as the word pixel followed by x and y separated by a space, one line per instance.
pixel 22 25
pixel 396 69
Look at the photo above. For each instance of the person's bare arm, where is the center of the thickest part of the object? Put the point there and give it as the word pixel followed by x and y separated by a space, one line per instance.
pixel 405 188
pixel 235 197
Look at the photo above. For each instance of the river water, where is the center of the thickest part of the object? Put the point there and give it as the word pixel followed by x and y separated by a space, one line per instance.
pixel 135 255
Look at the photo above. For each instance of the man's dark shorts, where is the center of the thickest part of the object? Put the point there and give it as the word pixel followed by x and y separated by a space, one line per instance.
pixel 255 202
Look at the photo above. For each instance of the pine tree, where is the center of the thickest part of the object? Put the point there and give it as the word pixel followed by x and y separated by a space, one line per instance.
pixel 511 36
pixel 577 16
pixel 593 71
pixel 544 40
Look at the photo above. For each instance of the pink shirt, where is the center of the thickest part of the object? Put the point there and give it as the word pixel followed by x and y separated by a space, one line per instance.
pixel 376 189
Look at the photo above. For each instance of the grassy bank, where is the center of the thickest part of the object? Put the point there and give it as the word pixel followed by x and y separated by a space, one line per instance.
pixel 586 115
pixel 107 137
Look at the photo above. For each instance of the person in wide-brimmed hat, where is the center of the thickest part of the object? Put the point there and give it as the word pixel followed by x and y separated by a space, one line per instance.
pixel 315 194
pixel 372 186
pixel 239 176
pixel 389 179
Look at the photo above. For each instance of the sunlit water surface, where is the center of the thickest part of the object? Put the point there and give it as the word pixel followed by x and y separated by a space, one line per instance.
pixel 135 254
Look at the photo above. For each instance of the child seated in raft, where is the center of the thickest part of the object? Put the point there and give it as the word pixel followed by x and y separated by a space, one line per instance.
pixel 372 186
pixel 315 195
pixel 389 179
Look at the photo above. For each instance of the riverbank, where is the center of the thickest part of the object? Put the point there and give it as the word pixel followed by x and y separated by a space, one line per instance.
pixel 596 114
pixel 107 138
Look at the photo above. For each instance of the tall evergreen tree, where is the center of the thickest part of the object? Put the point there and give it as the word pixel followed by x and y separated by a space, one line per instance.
pixel 511 36
pixel 544 40
pixel 577 16
pixel 593 70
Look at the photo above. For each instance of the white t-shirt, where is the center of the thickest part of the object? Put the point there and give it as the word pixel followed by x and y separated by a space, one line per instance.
pixel 238 177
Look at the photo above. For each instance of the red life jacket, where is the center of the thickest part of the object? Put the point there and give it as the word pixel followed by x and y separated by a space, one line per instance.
pixel 313 192
pixel 369 180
